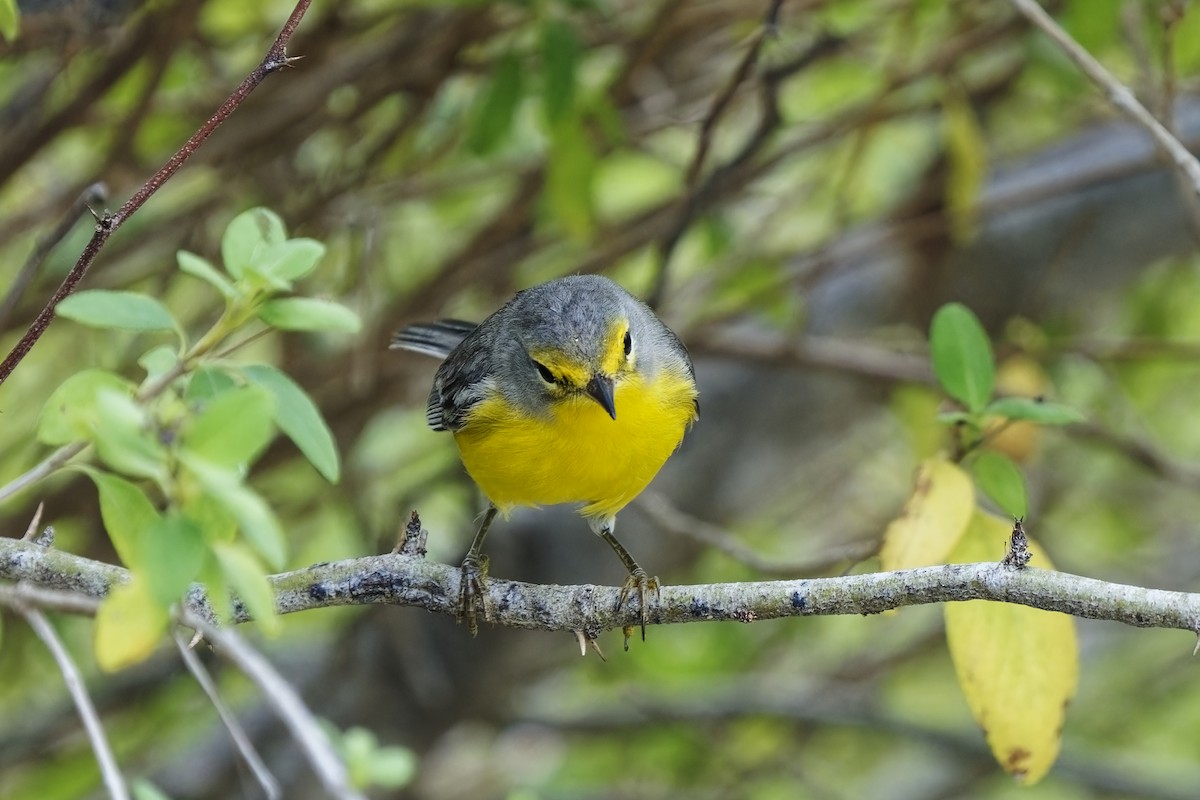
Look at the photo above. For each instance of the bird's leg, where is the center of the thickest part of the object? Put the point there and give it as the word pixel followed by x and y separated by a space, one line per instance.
pixel 472 584
pixel 638 578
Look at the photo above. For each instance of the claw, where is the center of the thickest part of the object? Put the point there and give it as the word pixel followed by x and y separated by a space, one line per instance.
pixel 473 594
pixel 638 579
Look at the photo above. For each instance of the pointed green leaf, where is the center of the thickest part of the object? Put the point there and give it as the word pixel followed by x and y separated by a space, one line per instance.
pixel 248 237
pixel 1039 411
pixel 492 122
pixel 70 413
pixel 233 428
pixel 293 259
pixel 198 267
pixel 255 518
pixel 966 157
pixel 125 438
pixel 962 356
pixel 249 580
pixel 208 383
pixel 127 514
pixel 1001 479
pixel 158 361
pixel 570 195
pixel 298 416
pixel 128 311
pixel 173 554
pixel 560 60
pixel 308 314
pixel 10 20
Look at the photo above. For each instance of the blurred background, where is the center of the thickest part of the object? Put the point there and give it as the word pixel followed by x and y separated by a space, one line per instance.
pixel 876 159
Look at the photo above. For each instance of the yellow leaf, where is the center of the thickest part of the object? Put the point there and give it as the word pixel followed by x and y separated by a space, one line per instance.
pixel 933 518
pixel 129 626
pixel 1018 666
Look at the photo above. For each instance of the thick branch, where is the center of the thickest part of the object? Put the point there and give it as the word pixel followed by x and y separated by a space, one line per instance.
pixel 411 581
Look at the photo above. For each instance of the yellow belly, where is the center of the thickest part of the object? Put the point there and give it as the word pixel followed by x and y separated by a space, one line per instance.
pixel 578 454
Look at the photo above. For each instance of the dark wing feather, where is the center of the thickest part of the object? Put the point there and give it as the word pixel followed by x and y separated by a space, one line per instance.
pixel 460 380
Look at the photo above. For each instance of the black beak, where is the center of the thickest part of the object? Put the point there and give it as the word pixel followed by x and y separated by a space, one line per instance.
pixel 600 388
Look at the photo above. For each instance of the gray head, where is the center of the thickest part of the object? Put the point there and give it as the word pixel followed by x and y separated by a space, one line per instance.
pixel 579 334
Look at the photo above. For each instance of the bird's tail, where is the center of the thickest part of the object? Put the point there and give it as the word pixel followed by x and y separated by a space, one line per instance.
pixel 435 339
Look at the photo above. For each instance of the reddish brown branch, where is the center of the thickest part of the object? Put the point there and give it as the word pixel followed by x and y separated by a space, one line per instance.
pixel 106 225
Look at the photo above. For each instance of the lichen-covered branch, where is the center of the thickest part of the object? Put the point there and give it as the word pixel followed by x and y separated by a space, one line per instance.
pixel 413 581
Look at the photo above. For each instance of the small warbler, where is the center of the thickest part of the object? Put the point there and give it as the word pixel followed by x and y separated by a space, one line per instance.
pixel 573 392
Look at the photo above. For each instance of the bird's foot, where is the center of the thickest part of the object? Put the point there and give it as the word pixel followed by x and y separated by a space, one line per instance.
pixel 642 585
pixel 472 592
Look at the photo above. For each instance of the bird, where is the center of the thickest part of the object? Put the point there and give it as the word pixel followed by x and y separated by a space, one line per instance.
pixel 572 392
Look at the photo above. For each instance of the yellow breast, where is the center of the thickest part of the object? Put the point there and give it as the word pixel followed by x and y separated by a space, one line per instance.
pixel 578 454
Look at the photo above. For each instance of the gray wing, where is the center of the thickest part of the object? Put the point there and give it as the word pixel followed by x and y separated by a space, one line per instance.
pixel 460 381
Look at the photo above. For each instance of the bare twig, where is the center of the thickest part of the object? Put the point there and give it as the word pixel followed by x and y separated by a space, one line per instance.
pixel 400 580
pixel 1117 94
pixel 675 521
pixel 241 740
pixel 50 464
pixel 14 598
pixel 817 352
pixel 275 60
pixel 287 704
pixel 31 530
pixel 93 195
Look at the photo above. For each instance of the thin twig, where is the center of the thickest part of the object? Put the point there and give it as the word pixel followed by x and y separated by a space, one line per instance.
pixel 275 60
pixel 90 197
pixel 1117 94
pixel 673 520
pixel 48 465
pixel 91 721
pixel 287 704
pixel 241 739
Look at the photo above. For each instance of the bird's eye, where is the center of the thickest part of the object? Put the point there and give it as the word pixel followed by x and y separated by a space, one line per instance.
pixel 628 343
pixel 544 371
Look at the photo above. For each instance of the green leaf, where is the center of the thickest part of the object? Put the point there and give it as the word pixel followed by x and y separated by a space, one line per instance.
pixel 207 383
pixel 158 360
pixel 248 237
pixel 255 518
pixel 493 121
pixel 145 790
pixel 248 579
pixel 392 767
pixel 233 429
pixel 560 60
pixel 1001 479
pixel 308 314
pixel 198 267
pixel 298 417
pixel 69 414
pixel 962 356
pixel 293 259
pixel 124 437
pixel 10 20
pixel 127 513
pixel 1039 411
pixel 173 554
pixel 966 157
pixel 127 311
pixel 570 195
